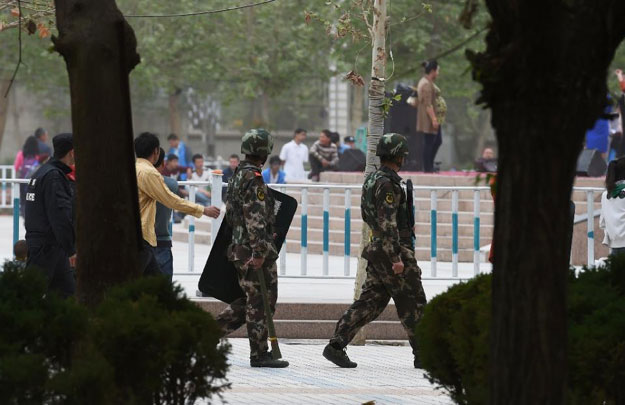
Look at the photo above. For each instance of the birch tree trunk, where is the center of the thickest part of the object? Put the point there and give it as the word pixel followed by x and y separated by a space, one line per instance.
pixel 376 127
pixel 99 49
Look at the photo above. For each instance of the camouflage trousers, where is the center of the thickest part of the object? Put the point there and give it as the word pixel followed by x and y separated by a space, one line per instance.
pixel 381 285
pixel 249 309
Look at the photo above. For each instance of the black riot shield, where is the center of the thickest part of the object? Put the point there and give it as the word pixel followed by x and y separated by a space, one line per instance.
pixel 219 278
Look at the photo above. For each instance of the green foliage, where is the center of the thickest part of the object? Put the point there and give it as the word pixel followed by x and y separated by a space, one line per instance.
pixel 273 61
pixel 597 334
pixel 144 344
pixel 37 336
pixel 388 103
pixel 454 337
pixel 453 340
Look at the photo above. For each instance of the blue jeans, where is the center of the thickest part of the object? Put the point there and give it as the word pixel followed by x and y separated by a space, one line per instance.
pixel 165 260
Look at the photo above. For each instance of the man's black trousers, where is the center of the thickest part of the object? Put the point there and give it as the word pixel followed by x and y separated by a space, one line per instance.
pixel 53 261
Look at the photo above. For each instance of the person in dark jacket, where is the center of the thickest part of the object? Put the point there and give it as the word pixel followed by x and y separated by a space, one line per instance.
pixel 49 219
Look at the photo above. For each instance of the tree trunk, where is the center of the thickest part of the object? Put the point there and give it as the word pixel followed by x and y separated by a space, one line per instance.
pixel 175 123
pixel 99 48
pixel 543 76
pixel 4 107
pixel 264 109
pixel 376 123
pixel 484 129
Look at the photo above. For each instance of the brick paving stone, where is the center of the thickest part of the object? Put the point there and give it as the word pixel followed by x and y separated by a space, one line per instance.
pixel 384 374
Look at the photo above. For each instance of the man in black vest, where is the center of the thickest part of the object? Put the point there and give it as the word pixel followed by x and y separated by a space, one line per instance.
pixel 49 219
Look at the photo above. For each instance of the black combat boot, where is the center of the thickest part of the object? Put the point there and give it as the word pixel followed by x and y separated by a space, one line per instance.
pixel 417 362
pixel 338 357
pixel 265 360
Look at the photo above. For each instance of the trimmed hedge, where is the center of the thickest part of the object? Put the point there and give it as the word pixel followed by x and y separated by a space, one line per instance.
pixel 144 344
pixel 453 336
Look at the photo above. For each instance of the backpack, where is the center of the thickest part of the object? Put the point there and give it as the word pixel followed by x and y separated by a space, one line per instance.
pixel 28 168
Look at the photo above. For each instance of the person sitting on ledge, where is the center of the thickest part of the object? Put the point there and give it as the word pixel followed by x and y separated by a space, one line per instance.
pixel 487 163
pixel 323 155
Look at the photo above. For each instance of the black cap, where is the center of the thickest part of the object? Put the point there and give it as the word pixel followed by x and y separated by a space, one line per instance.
pixel 349 139
pixel 63 144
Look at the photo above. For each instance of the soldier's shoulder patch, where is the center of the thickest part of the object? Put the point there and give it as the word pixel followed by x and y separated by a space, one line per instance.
pixel 260 193
pixel 390 198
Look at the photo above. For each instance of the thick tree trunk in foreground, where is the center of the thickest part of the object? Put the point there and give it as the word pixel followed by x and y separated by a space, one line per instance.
pixel 543 76
pixel 99 48
pixel 376 124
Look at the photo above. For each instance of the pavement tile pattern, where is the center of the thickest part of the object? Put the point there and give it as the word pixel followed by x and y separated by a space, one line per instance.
pixel 385 375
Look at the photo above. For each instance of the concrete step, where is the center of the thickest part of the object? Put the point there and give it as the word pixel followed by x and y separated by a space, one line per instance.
pixel 443 255
pixel 424 179
pixel 336 211
pixel 337 225
pixel 315 237
pixel 423 229
pixel 424 204
pixel 317 321
pixel 422 251
pixel 200 237
pixel 458 179
pixel 338 248
pixel 445 242
pixel 337 236
pixel 337 196
pixel 444 217
pixel 486 207
pixel 299 311
pixel 316 247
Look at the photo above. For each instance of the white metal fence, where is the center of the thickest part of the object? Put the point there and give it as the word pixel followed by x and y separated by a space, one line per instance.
pixel 6 172
pixel 304 189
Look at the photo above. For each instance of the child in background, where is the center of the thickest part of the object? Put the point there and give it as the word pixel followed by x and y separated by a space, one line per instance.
pixel 612 219
pixel 20 252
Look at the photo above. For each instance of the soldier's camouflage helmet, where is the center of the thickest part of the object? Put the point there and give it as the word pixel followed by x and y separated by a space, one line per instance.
pixel 392 145
pixel 257 142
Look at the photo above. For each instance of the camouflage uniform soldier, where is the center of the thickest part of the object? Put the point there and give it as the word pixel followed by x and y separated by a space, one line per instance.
pixel 250 213
pixel 392 270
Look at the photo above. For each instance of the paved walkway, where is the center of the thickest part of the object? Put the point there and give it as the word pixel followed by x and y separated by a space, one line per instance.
pixel 384 374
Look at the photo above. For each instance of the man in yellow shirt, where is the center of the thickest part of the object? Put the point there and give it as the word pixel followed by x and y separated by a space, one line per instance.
pixel 152 188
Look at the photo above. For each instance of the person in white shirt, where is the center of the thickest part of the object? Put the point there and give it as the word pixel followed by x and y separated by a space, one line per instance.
pixel 293 156
pixel 202 193
pixel 612 219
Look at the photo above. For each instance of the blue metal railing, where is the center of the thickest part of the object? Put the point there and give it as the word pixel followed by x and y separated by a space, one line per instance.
pixel 304 193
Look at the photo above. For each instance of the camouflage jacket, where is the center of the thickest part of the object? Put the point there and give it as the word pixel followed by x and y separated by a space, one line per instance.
pixel 250 213
pixel 384 208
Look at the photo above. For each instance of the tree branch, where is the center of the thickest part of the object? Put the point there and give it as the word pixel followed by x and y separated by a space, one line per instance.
pixel 19 60
pixel 201 12
pixel 448 52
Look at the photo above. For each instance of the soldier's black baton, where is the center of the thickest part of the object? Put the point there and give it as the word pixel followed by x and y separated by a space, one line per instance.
pixel 275 349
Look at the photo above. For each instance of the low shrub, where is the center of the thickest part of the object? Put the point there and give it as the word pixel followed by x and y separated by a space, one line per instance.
pixel 453 340
pixel 453 336
pixel 144 344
